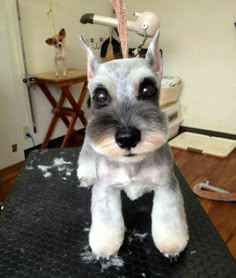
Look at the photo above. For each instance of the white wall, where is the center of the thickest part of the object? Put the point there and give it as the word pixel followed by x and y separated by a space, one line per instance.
pixel 198 38
pixel 39 56
pixel 12 90
pixel 14 103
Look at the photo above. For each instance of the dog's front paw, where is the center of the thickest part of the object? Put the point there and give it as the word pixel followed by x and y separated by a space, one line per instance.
pixel 85 182
pixel 172 257
pixel 171 244
pixel 105 242
pixel 85 179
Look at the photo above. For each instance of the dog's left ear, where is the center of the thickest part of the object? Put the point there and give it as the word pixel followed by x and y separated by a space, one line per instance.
pixel 92 62
pixel 62 33
pixel 153 53
pixel 50 41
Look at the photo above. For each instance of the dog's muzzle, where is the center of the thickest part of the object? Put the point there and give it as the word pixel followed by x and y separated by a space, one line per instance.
pixel 127 137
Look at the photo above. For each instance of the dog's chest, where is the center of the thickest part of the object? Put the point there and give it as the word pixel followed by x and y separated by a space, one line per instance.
pixel 135 181
pixel 60 54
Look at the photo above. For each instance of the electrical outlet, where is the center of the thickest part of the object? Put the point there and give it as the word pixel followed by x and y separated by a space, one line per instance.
pixel 26 130
pixel 14 148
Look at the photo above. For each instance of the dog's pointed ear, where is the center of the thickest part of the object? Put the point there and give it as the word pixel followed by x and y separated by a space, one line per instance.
pixel 153 53
pixel 62 33
pixel 50 41
pixel 92 62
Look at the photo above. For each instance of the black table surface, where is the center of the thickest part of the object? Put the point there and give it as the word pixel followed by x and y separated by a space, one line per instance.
pixel 45 223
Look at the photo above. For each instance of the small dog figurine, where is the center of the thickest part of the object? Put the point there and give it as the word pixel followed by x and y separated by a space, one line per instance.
pixel 126 148
pixel 58 41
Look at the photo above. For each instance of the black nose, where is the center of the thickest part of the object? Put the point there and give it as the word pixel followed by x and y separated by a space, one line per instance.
pixel 127 138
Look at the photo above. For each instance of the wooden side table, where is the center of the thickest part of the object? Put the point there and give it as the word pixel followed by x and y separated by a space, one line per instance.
pixel 68 115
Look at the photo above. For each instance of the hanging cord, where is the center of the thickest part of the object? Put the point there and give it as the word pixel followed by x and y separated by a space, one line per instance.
pixel 50 15
pixel 28 135
pixel 210 192
pixel 120 10
pixel 137 50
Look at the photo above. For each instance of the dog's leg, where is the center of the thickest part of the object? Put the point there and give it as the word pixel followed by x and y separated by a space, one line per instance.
pixel 56 67
pixel 107 229
pixel 86 170
pixel 169 226
pixel 64 67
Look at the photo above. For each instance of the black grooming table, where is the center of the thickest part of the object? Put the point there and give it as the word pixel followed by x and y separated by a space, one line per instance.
pixel 44 230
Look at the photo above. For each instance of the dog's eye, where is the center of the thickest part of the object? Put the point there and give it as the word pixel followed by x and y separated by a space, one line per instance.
pixel 60 40
pixel 147 89
pixel 101 96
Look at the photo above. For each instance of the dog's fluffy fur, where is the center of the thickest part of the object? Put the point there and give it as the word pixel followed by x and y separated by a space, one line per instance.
pixel 125 94
pixel 58 41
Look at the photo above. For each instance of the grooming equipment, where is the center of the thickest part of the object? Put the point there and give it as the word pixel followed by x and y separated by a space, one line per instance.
pixel 146 23
pixel 210 192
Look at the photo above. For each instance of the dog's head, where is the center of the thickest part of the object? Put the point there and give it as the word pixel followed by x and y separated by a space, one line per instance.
pixel 126 123
pixel 58 40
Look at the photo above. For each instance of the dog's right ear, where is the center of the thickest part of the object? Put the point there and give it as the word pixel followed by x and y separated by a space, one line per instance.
pixel 153 55
pixel 49 41
pixel 92 62
pixel 62 33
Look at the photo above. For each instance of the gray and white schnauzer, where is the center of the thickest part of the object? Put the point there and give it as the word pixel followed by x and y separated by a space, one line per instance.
pixel 126 148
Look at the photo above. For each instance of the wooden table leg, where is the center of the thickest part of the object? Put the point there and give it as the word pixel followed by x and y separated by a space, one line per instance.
pixel 69 132
pixel 82 118
pixel 83 94
pixel 75 105
pixel 53 101
pixel 79 111
pixel 80 102
pixel 58 113
pixel 53 122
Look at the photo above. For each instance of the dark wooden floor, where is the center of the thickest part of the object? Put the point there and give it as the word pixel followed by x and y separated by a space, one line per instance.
pixel 195 168
pixel 7 180
pixel 221 173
